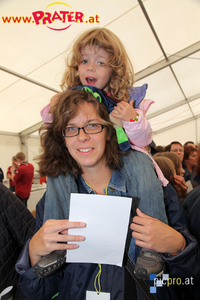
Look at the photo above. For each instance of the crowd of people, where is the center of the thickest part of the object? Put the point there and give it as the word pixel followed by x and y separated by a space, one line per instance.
pixel 94 141
pixel 184 157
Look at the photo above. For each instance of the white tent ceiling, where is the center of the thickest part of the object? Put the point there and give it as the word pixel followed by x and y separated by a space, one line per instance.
pixel 162 38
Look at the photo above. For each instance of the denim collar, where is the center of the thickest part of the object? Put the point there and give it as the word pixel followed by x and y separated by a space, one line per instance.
pixel 117 182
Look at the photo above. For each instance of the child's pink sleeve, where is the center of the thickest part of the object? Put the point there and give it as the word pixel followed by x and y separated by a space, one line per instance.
pixel 139 132
pixel 145 104
pixel 46 116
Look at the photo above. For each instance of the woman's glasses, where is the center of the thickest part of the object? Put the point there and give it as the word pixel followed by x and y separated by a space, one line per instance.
pixel 88 129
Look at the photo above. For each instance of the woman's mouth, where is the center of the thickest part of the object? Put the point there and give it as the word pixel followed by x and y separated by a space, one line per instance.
pixel 85 150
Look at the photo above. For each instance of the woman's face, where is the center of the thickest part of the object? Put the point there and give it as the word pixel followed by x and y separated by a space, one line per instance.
pixel 87 149
pixel 182 171
pixel 192 159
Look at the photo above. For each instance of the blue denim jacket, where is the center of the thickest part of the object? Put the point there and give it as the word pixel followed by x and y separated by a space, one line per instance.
pixel 127 181
pixel 139 179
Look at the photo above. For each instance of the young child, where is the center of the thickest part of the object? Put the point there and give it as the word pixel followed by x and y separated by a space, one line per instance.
pixel 98 60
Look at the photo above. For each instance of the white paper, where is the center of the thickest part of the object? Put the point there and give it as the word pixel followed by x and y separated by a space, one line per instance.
pixel 90 295
pixel 107 219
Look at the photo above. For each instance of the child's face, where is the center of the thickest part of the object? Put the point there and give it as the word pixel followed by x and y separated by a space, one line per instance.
pixel 92 69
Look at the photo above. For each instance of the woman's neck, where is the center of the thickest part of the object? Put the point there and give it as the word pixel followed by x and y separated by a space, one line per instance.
pixel 98 180
pixel 190 168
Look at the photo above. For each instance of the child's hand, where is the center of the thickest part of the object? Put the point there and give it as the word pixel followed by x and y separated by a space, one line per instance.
pixel 124 111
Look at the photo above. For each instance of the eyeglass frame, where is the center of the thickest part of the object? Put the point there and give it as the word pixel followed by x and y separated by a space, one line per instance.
pixel 176 150
pixel 83 128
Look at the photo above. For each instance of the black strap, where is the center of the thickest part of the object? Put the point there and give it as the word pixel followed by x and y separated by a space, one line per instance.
pixel 127 262
pixel 140 282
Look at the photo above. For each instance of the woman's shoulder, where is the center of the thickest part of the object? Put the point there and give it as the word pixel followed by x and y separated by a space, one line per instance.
pixel 136 157
pixel 136 162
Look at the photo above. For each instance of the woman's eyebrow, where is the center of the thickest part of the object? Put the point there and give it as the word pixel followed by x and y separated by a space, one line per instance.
pixel 87 122
pixel 93 120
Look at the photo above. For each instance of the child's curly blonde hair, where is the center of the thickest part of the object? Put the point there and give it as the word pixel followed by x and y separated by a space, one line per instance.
pixel 122 69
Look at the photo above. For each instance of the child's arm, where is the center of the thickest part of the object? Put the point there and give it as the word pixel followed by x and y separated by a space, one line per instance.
pixel 137 128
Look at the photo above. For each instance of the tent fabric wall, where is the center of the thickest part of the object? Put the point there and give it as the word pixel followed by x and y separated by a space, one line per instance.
pixel 33 151
pixel 183 133
pixel 9 146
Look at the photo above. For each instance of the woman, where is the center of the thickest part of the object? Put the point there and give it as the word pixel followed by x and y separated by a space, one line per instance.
pixel 167 167
pixel 190 162
pixel 177 180
pixel 191 204
pixel 81 141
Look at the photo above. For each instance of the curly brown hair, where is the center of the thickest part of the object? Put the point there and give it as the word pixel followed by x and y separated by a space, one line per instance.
pixel 55 157
pixel 122 69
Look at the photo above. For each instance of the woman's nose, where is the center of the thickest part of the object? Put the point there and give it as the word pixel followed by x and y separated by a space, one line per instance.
pixel 182 171
pixel 82 136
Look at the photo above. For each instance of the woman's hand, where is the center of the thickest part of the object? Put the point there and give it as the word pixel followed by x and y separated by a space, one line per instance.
pixel 47 237
pixel 180 185
pixel 153 234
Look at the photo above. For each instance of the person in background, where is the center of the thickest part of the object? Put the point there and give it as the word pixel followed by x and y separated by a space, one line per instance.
pixel 190 162
pixel 197 177
pixel 17 226
pixel 167 148
pixel 23 178
pixel 167 167
pixel 9 174
pixel 1 175
pixel 177 147
pixel 191 204
pixel 160 148
pixel 181 187
pixel 190 143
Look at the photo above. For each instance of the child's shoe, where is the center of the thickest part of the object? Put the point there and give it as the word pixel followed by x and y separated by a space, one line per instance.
pixel 149 262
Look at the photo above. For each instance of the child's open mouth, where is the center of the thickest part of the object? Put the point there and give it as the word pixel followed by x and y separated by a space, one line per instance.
pixel 91 80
